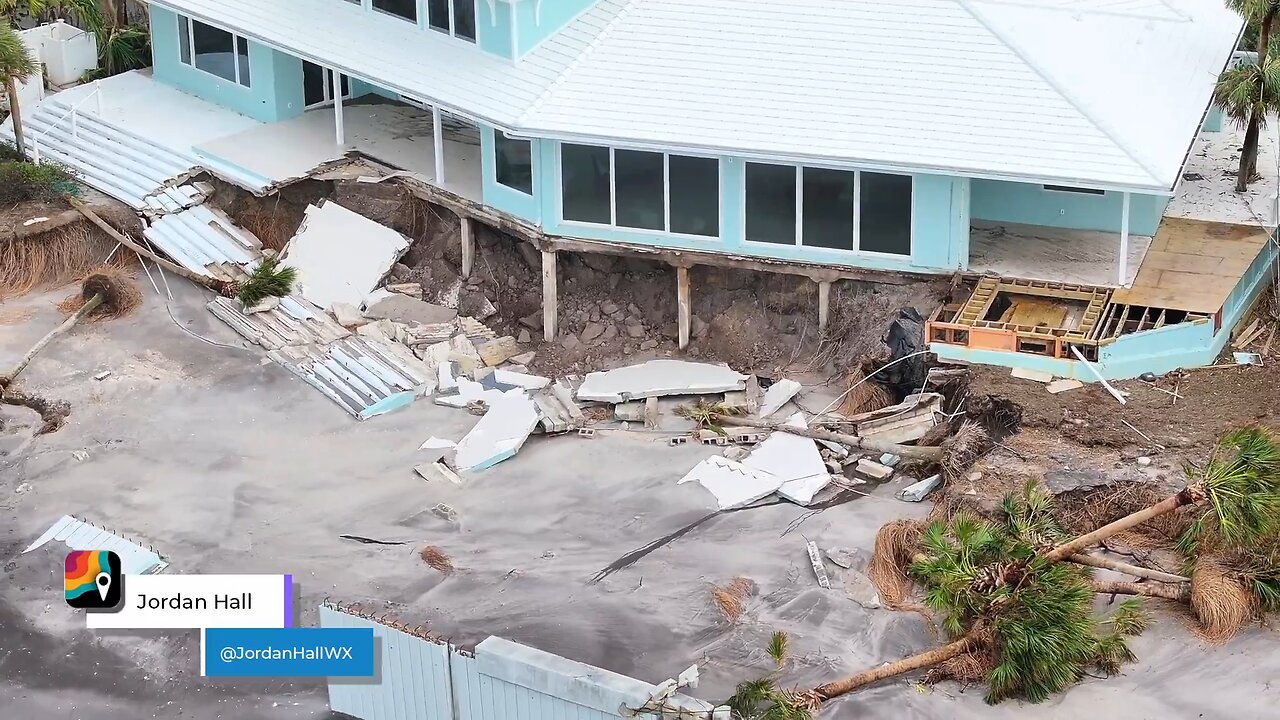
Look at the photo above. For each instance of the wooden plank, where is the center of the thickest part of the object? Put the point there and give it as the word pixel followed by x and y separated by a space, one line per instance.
pixel 684 305
pixel 550 298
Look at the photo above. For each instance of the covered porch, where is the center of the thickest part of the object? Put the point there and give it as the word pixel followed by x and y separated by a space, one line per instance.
pixel 1078 257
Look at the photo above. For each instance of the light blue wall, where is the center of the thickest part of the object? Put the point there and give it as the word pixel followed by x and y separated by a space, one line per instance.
pixel 526 207
pixel 275 91
pixel 1213 120
pixel 941 212
pixel 532 28
pixel 360 88
pixel 493 27
pixel 1028 204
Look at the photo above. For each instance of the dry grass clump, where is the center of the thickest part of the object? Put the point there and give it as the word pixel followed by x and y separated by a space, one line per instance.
pixel 273 224
pixel 53 258
pixel 120 295
pixel 1219 601
pixel 435 557
pixel 897 543
pixel 863 395
pixel 1079 512
pixel 731 597
pixel 964 448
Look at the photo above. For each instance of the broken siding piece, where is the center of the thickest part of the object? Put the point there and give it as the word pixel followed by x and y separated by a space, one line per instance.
pixel 733 484
pixel 78 534
pixel 905 422
pixel 341 256
pixel 500 433
pixel 658 378
pixel 778 394
pixel 793 460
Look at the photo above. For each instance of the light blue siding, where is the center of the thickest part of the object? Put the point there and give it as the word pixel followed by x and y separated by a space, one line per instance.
pixel 1213 120
pixel 360 88
pixel 425 679
pixel 493 27
pixel 941 222
pixel 275 91
pixel 537 21
pixel 514 202
pixel 1030 204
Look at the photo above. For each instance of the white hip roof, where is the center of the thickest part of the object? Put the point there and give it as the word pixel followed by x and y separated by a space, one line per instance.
pixel 1099 93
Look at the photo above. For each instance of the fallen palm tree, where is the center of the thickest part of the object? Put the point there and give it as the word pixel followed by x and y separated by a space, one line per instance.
pixel 269 278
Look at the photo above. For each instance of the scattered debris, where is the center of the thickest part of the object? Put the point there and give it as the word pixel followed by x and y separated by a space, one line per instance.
pixel 919 491
pixel 1034 375
pixel 629 411
pixel 500 433
pixel 348 315
pixel 904 422
pixel 371 541
pixel 860 589
pixel 437 471
pixel 1247 358
pixel 1063 385
pixel 384 305
pixel 731 598
pixel 819 570
pixel 778 394
pixel 412 289
pixel 659 378
pixel 80 455
pixel 1094 371
pixel 331 268
pixel 445 512
pixel 434 442
pixel 873 470
pixel 842 557
pixel 79 534
pixel 890 460
pixel 435 557
pixel 1144 461
pixel 733 483
pixel 793 460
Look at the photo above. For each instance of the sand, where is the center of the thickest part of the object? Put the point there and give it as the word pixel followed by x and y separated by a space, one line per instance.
pixel 225 464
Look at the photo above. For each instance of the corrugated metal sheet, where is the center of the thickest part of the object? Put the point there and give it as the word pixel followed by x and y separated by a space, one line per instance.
pixel 423 678
pixel 205 241
pixel 363 375
pixel 79 534
pixel 1097 92
pixel 294 322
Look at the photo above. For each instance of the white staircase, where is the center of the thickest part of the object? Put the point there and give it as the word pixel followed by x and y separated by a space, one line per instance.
pixel 106 157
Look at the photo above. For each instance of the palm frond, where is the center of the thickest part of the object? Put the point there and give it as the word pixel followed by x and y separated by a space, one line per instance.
pixel 779 645
pixel 269 278
pixel 1129 618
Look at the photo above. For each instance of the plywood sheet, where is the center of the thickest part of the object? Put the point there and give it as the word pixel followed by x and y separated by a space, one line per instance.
pixel 1193 265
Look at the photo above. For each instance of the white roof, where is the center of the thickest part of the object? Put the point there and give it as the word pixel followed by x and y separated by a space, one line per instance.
pixel 1104 93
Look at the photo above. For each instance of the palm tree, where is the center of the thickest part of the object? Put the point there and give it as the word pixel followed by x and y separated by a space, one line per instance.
pixel 1019 621
pixel 762 699
pixel 1248 92
pixel 89 13
pixel 15 64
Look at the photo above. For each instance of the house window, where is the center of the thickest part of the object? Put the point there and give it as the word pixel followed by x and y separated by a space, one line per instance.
pixel 640 190
pixel 771 203
pixel 837 209
pixel 514 162
pixel 317 85
pixel 213 50
pixel 454 17
pixel 404 9
pixel 1069 189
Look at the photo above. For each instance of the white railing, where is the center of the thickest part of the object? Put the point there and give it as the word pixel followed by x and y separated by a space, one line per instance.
pixel 72 112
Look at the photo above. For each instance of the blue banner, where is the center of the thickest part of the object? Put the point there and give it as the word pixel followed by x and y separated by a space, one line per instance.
pixel 288 652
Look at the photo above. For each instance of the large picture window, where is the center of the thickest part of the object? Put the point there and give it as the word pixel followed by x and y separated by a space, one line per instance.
pixel 640 190
pixel 837 209
pixel 455 17
pixel 404 9
pixel 213 50
pixel 514 160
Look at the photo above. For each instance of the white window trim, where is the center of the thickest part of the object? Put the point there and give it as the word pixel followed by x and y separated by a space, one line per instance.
pixel 666 196
pixel 425 13
pixel 857 213
pixel 328 90
pixel 235 51
pixel 533 164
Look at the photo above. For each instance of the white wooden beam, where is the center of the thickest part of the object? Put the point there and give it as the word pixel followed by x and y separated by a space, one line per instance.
pixel 684 304
pixel 438 133
pixel 468 247
pixel 824 304
pixel 550 299
pixel 338 121
pixel 1123 274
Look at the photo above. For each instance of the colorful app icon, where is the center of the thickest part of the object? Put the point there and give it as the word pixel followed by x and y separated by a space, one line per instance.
pixel 93 580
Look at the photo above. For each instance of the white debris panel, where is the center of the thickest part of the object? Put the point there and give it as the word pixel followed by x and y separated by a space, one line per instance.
pixel 794 461
pixel 733 483
pixel 341 256
pixel 658 378
pixel 77 534
pixel 367 377
pixel 778 394
pixel 509 421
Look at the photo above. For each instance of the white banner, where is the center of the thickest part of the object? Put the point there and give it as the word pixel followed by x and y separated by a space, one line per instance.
pixel 201 601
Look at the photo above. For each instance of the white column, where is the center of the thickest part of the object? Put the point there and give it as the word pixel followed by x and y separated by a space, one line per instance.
pixel 1124 242
pixel 438 131
pixel 339 125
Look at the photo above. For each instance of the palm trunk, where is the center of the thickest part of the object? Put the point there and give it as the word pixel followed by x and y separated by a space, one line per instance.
pixel 1126 568
pixel 1180 592
pixel 933 657
pixel 1249 153
pixel 221 287
pixel 93 303
pixel 1187 496
pixel 15 110
pixel 910 452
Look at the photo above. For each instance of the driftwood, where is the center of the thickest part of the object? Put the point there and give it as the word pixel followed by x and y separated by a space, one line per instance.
pixel 910 452
pixel 1126 568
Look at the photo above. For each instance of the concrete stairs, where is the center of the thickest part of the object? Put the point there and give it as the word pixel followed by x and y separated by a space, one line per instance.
pixel 106 157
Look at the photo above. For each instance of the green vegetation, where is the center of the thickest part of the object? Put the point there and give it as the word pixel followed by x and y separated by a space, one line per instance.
pixel 22 181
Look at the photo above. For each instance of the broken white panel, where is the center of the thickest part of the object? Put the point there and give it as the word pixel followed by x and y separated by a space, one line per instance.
pixel 435 443
pixel 80 535
pixel 500 433
pixel 658 378
pixel 733 483
pixel 919 491
pixel 904 422
pixel 341 256
pixel 778 394
pixel 794 460
pixel 524 380
pixel 469 391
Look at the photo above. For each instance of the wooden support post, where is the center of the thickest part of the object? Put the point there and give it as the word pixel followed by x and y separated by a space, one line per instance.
pixel 468 247
pixel 824 305
pixel 338 121
pixel 437 132
pixel 684 305
pixel 549 297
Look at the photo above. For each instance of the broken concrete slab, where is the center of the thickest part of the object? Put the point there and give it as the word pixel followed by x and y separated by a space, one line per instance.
pixel 469 391
pixel 793 460
pixel 919 491
pixel 521 380
pixel 733 483
pixel 659 378
pixel 523 358
pixel 414 289
pixel 500 433
pixel 385 305
pixel 341 256
pixel 873 470
pixel 859 588
pixel 436 471
pixel 564 394
pixel 1063 385
pixel 819 569
pixel 348 315
pixel 1028 374
pixel 498 351
pixel 435 443
pixel 778 394
pixel 629 411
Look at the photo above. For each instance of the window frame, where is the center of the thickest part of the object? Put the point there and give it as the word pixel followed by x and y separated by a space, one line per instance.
pixel 417 11
pixel 190 33
pixel 453 21
pixel 533 163
pixel 1073 190
pixel 666 194
pixel 857 212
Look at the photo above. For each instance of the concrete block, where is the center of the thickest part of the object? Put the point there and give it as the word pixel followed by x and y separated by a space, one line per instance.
pixel 873 470
pixel 498 351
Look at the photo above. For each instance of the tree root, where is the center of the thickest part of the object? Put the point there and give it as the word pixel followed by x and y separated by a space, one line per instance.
pixel 53 412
